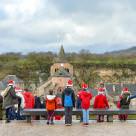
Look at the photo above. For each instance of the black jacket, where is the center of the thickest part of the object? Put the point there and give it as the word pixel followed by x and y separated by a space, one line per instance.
pixel 68 91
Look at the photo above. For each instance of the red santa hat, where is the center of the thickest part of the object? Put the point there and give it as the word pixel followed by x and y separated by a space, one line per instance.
pixel 101 90
pixel 70 83
pixel 84 86
pixel 101 83
pixel 125 90
pixel 11 82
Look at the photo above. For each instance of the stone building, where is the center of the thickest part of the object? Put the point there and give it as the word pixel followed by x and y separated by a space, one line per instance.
pixel 60 72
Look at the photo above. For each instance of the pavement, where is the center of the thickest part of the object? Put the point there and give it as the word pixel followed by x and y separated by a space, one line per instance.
pixel 39 128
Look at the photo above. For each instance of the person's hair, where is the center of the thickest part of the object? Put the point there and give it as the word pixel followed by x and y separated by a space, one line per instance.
pixel 50 92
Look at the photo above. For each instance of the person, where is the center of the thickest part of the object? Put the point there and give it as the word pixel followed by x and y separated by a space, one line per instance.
pixel 85 97
pixel 101 102
pixel 124 103
pixel 28 99
pixel 78 106
pixel 102 88
pixel 37 105
pixel 9 99
pixel 59 102
pixel 68 102
pixel 50 106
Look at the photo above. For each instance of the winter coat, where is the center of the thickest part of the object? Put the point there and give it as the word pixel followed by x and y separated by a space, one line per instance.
pixel 85 99
pixel 101 102
pixel 29 100
pixel 68 91
pixel 37 103
pixel 125 101
pixel 50 102
pixel 10 98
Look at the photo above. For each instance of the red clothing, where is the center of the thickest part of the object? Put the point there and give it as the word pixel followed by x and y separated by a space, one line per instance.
pixel 51 102
pixel 29 100
pixel 85 99
pixel 101 102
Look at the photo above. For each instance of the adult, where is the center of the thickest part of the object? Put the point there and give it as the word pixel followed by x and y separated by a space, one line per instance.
pixel 9 99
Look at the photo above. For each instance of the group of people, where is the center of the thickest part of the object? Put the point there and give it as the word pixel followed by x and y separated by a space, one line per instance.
pixel 66 99
pixel 84 97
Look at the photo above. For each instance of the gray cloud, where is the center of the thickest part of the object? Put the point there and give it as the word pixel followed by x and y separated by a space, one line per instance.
pixel 38 25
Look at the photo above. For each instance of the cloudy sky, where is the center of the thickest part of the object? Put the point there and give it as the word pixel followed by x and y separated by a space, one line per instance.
pixel 43 25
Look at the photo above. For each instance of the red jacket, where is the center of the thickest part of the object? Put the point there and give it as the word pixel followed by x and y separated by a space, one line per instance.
pixel 29 100
pixel 101 102
pixel 85 99
pixel 50 102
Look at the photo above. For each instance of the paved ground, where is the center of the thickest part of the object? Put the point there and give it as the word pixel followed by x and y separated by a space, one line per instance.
pixel 39 128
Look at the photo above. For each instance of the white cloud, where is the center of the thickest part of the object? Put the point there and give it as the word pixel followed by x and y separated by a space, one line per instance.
pixel 42 24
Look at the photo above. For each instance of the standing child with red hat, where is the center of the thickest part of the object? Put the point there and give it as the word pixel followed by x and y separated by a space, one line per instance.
pixel 85 97
pixel 50 106
pixel 68 102
pixel 101 102
pixel 124 102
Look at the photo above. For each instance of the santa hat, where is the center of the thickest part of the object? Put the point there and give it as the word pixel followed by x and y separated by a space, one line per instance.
pixel 11 82
pixel 70 83
pixel 125 90
pixel 101 90
pixel 101 83
pixel 84 86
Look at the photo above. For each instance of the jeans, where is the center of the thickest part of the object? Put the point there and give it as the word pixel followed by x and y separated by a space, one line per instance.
pixel 85 116
pixel 68 115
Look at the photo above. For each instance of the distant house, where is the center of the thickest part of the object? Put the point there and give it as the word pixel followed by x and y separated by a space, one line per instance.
pixel 18 81
pixel 60 72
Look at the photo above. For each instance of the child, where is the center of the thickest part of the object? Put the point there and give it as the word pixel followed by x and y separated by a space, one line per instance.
pixel 124 102
pixel 85 97
pixel 68 102
pixel 101 102
pixel 50 106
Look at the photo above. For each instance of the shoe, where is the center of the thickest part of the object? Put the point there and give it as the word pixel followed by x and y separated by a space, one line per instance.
pixel 7 121
pixel 52 123
pixel 68 124
pixel 48 123
pixel 87 124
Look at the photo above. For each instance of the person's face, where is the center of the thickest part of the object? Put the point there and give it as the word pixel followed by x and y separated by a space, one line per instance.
pixel 102 85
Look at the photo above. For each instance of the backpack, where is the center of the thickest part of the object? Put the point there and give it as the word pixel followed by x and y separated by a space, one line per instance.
pixel 125 101
pixel 68 101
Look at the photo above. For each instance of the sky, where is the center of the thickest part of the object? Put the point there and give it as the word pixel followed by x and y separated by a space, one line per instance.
pixel 43 25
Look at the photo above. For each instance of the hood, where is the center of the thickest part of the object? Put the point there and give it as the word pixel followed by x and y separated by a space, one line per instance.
pixel 50 97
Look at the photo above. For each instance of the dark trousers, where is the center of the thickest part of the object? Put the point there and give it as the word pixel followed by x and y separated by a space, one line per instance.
pixel 68 115
pixel 100 118
pixel 8 113
pixel 123 117
pixel 50 116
